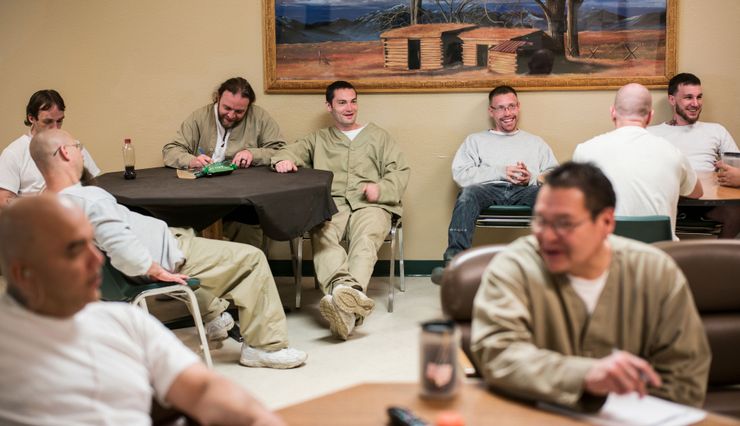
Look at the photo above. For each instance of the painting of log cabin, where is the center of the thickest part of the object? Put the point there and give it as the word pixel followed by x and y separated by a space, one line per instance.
pixel 444 45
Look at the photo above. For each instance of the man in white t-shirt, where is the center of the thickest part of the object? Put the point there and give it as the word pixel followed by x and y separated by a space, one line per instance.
pixel 647 172
pixel 73 360
pixel 18 174
pixel 703 143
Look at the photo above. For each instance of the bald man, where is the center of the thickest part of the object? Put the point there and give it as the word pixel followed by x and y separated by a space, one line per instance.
pixel 72 355
pixel 144 247
pixel 648 173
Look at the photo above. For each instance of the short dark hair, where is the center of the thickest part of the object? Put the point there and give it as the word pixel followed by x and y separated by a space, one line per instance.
pixel 589 179
pixel 43 100
pixel 501 90
pixel 237 86
pixel 339 84
pixel 682 78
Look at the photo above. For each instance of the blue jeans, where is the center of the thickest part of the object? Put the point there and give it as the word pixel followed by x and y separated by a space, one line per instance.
pixel 472 200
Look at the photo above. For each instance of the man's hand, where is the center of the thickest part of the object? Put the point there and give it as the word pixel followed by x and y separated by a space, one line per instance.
pixel 243 159
pixel 286 166
pixel 620 372
pixel 200 161
pixel 518 174
pixel 727 175
pixel 157 273
pixel 372 192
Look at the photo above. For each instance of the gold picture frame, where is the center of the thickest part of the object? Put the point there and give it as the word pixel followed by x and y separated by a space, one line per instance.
pixel 615 48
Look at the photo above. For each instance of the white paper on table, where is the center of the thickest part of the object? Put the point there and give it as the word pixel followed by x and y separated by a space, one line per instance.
pixel 630 409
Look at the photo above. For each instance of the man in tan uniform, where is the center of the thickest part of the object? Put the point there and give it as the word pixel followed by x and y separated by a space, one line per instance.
pixel 370 176
pixel 231 128
pixel 573 313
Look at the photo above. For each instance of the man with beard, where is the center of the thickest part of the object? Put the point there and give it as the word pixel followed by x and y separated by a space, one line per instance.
pixel 572 313
pixel 231 128
pixel 370 176
pixel 499 166
pixel 703 143
pixel 19 175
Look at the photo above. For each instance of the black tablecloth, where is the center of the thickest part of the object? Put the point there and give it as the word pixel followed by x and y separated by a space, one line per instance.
pixel 286 205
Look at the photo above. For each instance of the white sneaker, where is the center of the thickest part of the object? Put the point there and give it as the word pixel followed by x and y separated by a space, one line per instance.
pixel 340 323
pixel 283 358
pixel 353 301
pixel 218 329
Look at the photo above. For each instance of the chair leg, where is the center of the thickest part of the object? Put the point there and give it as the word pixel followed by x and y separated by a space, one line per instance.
pixel 392 275
pixel 296 254
pixel 140 300
pixel 195 310
pixel 402 275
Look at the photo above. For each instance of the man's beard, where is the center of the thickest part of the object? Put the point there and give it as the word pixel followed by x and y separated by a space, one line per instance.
pixel 682 112
pixel 232 125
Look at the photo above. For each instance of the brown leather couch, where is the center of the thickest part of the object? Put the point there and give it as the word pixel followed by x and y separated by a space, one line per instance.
pixel 712 268
pixel 460 283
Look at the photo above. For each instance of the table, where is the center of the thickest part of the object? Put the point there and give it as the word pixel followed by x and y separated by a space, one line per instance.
pixel 366 404
pixel 714 194
pixel 285 205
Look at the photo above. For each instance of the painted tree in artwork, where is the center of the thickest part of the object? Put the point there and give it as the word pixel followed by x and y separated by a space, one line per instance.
pixel 554 11
pixel 453 10
pixel 415 11
pixel 572 32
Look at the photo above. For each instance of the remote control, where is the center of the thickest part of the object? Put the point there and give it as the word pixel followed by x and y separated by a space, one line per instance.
pixel 404 417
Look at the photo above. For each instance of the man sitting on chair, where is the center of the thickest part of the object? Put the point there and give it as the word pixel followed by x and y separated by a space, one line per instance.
pixel 142 246
pixel 370 176
pixel 498 166
pixel 68 359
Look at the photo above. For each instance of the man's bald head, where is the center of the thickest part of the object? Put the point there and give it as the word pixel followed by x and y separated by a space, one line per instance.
pixel 58 157
pixel 633 104
pixel 47 255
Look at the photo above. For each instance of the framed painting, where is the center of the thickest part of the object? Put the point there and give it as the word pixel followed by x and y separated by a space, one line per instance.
pixel 468 45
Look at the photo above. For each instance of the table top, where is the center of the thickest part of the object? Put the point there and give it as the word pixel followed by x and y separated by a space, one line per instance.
pixel 714 194
pixel 366 404
pixel 286 205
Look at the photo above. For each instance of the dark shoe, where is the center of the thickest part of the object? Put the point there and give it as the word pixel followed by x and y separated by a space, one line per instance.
pixel 437 274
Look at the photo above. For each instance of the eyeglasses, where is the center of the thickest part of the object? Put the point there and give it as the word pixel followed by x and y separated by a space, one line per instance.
pixel 77 145
pixel 505 108
pixel 561 227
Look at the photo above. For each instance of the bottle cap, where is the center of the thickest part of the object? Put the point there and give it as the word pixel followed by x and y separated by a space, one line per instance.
pixel 127 140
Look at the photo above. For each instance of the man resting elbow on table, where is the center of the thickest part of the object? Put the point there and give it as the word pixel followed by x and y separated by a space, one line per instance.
pixel 142 246
pixel 574 313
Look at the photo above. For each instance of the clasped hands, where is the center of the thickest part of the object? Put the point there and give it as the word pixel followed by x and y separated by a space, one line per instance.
pixel 518 174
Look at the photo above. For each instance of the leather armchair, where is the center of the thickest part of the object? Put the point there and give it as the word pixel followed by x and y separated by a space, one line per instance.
pixel 459 284
pixel 712 268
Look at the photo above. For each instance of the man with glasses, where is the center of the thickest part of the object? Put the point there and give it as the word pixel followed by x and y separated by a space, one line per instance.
pixel 18 174
pixel 499 166
pixel 573 313
pixel 647 172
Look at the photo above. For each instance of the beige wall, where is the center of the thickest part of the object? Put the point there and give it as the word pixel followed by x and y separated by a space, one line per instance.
pixel 136 68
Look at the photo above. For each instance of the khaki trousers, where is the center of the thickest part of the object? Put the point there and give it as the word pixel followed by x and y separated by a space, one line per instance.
pixel 366 228
pixel 238 272
pixel 243 233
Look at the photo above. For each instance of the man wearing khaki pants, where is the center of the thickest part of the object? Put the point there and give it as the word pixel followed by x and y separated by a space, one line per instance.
pixel 370 176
